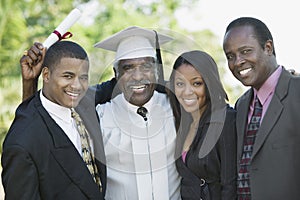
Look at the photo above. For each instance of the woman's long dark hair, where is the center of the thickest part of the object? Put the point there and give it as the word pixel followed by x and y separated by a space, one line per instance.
pixel 207 67
pixel 215 94
pixel 178 111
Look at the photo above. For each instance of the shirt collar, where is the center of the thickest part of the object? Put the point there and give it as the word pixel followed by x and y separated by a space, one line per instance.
pixel 134 108
pixel 58 111
pixel 269 86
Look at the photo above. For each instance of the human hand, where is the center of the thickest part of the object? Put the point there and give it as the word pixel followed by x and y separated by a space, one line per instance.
pixel 294 72
pixel 31 62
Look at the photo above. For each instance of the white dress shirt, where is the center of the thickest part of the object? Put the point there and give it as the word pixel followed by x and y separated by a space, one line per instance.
pixel 139 154
pixel 62 116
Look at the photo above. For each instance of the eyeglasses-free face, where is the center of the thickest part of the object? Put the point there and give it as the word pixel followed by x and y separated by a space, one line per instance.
pixel 137 79
pixel 190 89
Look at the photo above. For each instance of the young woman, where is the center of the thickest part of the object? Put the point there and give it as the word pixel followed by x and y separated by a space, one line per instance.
pixel 205 124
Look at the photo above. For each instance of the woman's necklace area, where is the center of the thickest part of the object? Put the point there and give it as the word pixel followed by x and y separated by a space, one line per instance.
pixel 191 135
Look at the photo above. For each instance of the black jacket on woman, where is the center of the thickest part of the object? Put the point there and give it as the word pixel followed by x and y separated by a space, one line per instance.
pixel 217 168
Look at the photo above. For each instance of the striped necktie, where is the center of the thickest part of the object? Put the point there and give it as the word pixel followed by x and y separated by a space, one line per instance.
pixel 87 155
pixel 243 181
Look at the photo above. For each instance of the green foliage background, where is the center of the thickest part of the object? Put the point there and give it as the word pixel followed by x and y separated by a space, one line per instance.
pixel 24 22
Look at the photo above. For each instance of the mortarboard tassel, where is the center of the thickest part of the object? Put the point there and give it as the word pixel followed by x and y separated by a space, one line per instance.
pixel 161 79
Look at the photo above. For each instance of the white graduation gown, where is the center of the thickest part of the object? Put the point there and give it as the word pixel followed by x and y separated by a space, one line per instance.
pixel 139 154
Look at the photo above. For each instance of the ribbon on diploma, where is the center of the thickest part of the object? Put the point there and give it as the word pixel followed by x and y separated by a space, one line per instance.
pixel 61 30
pixel 64 36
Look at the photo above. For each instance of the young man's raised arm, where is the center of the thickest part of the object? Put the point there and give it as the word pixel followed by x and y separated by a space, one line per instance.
pixel 31 67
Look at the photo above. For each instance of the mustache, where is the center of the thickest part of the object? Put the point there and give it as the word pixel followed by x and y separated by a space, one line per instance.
pixel 141 82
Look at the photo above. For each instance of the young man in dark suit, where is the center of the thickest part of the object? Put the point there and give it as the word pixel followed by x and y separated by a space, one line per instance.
pixel 130 164
pixel 268 153
pixel 43 157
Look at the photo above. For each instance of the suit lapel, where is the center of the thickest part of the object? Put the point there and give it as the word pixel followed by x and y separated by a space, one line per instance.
pixel 88 114
pixel 273 112
pixel 242 120
pixel 75 168
pixel 67 156
pixel 87 111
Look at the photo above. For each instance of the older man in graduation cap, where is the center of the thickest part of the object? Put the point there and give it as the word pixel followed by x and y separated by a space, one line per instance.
pixel 137 124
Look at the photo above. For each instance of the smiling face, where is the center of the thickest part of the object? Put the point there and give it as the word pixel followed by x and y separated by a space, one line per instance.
pixel 136 79
pixel 248 61
pixel 190 89
pixel 67 82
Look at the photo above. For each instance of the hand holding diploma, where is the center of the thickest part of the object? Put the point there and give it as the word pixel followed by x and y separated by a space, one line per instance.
pixel 61 31
pixel 32 59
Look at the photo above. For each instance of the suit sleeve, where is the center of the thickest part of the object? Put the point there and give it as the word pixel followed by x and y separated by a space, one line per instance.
pixel 19 175
pixel 227 149
pixel 105 91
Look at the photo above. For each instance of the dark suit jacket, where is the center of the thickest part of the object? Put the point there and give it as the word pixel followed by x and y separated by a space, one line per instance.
pixel 275 165
pixel 40 162
pixel 218 168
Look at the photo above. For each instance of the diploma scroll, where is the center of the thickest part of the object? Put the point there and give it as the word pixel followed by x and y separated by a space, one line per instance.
pixel 60 32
